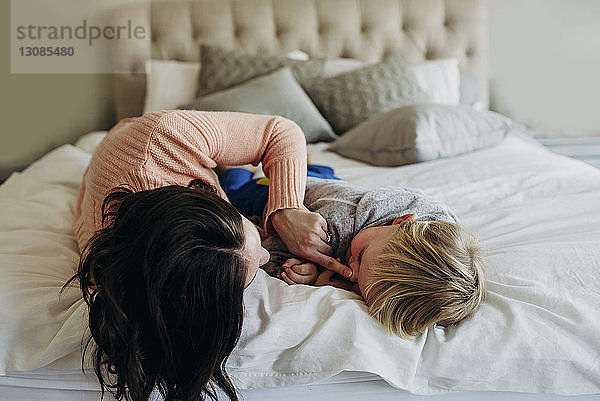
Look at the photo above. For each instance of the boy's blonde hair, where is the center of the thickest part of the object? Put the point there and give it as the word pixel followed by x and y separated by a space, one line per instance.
pixel 429 273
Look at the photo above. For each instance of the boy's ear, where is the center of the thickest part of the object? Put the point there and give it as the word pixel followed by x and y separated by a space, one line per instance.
pixel 400 219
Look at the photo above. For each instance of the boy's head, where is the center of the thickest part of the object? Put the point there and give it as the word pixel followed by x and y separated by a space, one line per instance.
pixel 413 274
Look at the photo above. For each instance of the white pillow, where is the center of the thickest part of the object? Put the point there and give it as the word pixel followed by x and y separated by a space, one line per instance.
pixel 297 55
pixel 169 84
pixel 89 142
pixel 172 83
pixel 336 66
pixel 333 65
pixel 440 79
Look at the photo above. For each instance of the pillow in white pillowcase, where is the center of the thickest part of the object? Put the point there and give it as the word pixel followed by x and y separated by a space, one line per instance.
pixel 170 83
pixel 335 66
pixel 297 55
pixel 440 79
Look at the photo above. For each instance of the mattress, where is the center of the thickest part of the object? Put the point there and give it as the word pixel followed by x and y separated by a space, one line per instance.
pixel 536 213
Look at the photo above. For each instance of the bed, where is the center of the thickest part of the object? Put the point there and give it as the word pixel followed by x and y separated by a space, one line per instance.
pixel 536 213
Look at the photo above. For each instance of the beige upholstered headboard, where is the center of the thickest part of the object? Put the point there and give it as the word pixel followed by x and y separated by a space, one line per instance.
pixel 364 29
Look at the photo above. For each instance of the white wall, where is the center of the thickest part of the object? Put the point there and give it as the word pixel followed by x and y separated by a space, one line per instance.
pixel 42 111
pixel 545 64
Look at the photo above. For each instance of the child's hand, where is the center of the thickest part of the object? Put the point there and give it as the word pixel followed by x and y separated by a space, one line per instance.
pixel 326 278
pixel 304 233
pixel 299 272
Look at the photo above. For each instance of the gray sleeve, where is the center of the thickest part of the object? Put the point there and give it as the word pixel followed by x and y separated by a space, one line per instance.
pixel 279 254
pixel 382 205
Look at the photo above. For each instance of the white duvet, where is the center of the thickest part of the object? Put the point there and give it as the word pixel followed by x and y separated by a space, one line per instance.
pixel 536 213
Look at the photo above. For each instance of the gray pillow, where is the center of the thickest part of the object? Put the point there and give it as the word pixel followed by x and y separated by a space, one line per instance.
pixel 222 69
pixel 350 98
pixel 276 93
pixel 422 132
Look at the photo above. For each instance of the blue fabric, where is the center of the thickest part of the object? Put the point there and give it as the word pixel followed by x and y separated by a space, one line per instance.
pixel 250 196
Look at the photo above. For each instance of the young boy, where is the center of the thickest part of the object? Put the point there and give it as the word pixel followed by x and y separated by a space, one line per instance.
pixel 414 266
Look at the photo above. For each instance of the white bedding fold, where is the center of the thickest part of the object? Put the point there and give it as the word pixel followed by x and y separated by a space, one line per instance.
pixel 536 213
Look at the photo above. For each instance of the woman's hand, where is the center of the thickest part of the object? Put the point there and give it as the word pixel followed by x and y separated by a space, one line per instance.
pixel 305 234
pixel 299 272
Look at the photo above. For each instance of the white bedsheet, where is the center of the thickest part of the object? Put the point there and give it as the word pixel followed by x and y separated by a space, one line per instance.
pixel 537 214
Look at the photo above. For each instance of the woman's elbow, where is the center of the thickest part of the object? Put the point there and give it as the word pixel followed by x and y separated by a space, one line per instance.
pixel 291 131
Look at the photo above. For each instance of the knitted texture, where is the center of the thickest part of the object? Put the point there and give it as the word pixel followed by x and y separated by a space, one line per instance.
pixel 175 147
pixel 350 98
pixel 222 69
pixel 349 209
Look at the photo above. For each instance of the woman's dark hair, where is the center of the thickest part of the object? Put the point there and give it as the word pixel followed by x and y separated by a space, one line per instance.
pixel 164 282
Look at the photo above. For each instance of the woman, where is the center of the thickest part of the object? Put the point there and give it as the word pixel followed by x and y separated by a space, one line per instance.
pixel 165 258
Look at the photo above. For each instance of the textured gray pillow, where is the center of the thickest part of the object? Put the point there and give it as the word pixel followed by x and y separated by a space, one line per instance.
pixel 276 93
pixel 350 98
pixel 422 132
pixel 222 69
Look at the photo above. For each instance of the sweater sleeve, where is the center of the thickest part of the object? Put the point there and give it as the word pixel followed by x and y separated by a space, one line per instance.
pixel 240 138
pixel 282 150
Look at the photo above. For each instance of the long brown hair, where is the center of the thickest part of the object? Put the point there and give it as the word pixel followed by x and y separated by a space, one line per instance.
pixel 164 282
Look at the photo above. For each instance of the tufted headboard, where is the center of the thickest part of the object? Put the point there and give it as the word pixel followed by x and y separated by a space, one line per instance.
pixel 363 29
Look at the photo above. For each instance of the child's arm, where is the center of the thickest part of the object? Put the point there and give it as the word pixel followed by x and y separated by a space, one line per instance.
pixel 326 277
pixel 297 271
pixel 291 270
pixel 285 266
pixel 278 255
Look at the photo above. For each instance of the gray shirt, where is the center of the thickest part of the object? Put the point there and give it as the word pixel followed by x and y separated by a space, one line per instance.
pixel 348 208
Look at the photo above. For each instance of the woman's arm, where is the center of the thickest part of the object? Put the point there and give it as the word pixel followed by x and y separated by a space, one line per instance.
pixel 227 138
pixel 188 144
pixel 280 144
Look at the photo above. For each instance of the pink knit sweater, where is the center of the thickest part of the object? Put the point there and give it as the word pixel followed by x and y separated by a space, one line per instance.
pixel 175 147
